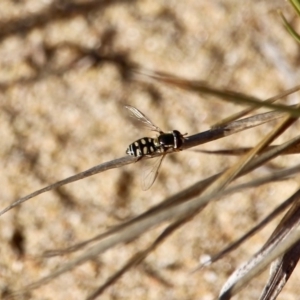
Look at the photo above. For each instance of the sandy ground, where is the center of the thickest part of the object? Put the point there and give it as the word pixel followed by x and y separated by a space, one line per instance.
pixel 61 115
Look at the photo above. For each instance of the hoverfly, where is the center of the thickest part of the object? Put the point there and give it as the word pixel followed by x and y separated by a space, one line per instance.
pixel 148 146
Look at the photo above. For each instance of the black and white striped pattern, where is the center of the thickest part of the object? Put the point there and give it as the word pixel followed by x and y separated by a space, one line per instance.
pixel 143 146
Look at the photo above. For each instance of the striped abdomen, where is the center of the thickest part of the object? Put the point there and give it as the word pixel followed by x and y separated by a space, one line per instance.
pixel 144 146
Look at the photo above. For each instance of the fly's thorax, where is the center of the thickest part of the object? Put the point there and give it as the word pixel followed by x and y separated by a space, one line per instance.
pixel 173 139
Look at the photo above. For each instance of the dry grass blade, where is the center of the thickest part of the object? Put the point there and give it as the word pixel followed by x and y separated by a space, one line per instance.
pixel 275 176
pixel 238 278
pixel 254 120
pixel 283 267
pixel 231 173
pixel 202 87
pixel 233 152
pixel 245 273
pixel 281 270
pixel 278 210
pixel 290 28
pixel 248 110
pixel 240 151
pixel 137 258
pixel 231 128
pixel 284 230
pixel 92 171
pixel 245 124
pixel 191 141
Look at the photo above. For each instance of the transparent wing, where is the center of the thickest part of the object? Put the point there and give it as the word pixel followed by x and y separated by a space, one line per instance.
pixel 139 116
pixel 151 171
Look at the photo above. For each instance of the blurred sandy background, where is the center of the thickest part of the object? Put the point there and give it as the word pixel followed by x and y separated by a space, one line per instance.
pixel 63 84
